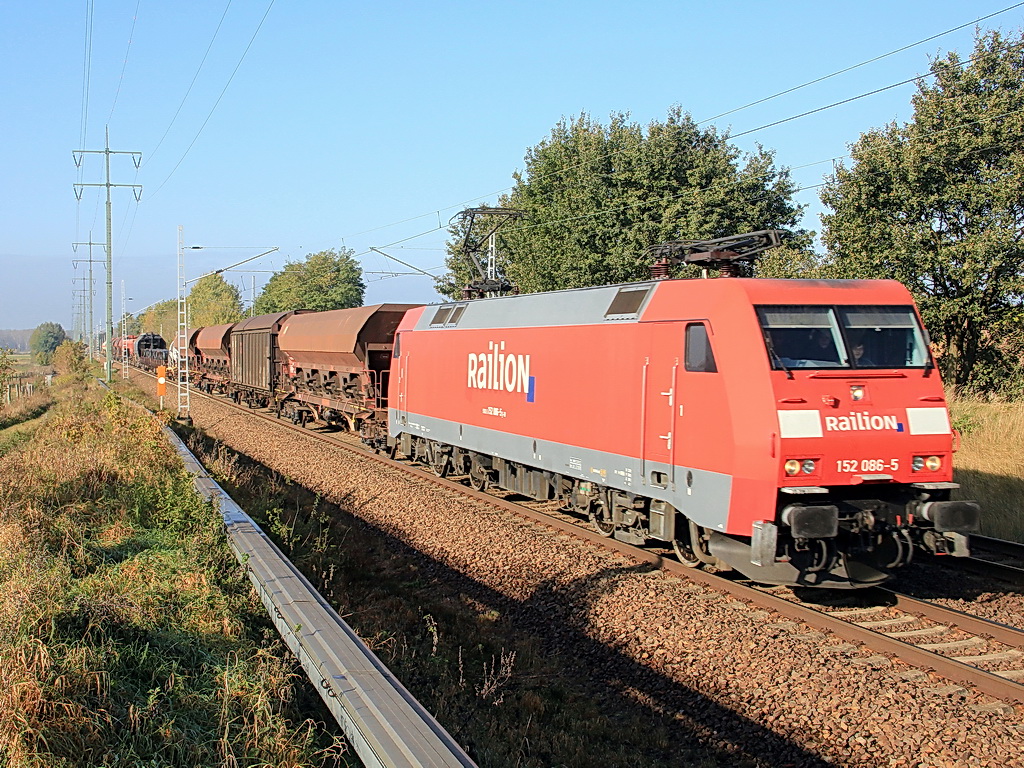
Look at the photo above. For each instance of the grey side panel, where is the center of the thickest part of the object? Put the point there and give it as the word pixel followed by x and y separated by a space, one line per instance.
pixel 580 306
pixel 704 499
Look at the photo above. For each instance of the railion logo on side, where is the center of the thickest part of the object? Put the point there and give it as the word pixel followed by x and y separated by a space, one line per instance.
pixel 863 421
pixel 495 370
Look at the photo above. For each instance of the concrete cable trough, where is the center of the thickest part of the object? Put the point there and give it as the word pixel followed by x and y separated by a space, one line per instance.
pixel 385 725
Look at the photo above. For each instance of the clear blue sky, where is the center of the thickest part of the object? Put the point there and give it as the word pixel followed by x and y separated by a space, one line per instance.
pixel 363 124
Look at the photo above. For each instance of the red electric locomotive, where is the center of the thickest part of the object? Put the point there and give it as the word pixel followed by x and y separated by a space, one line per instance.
pixel 793 430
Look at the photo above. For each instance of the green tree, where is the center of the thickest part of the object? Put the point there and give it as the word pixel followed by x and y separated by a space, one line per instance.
pixel 44 340
pixel 131 326
pixel 325 280
pixel 162 318
pixel 938 204
pixel 213 301
pixel 6 370
pixel 69 357
pixel 596 197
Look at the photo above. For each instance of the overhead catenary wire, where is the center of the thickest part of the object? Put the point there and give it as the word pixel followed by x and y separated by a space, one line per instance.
pixel 724 184
pixel 843 71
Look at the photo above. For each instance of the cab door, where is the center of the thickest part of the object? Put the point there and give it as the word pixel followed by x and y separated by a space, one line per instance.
pixel 660 382
pixel 704 437
pixel 401 403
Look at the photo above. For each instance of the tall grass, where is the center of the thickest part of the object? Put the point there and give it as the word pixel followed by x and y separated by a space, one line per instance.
pixel 23 409
pixel 128 635
pixel 990 463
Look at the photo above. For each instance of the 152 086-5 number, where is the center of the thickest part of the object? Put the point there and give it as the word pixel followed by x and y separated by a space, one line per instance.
pixel 867 465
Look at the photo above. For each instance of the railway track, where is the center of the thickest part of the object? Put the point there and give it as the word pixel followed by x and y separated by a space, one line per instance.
pixel 959 647
pixel 994 558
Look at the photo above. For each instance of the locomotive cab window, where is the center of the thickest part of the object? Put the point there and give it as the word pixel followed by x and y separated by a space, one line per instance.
pixel 842 337
pixel 699 356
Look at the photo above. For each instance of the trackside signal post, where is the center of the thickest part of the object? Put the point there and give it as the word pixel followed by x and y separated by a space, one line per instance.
pixel 161 383
pixel 137 189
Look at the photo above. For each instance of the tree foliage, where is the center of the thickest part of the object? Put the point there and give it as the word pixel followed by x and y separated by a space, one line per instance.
pixel 213 301
pixel 595 197
pixel 129 326
pixel 69 358
pixel 161 318
pixel 938 204
pixel 44 340
pixel 325 280
pixel 6 367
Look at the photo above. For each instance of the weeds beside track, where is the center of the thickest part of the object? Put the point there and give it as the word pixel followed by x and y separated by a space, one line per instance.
pixel 128 634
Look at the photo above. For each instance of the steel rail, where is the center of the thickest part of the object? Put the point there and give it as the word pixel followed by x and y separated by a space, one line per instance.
pixel 986 682
pixel 1000 546
pixel 979 566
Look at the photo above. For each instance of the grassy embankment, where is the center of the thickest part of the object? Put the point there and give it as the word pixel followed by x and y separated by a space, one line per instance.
pixel 128 635
pixel 990 463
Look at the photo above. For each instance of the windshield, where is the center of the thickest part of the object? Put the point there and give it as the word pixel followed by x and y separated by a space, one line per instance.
pixel 842 337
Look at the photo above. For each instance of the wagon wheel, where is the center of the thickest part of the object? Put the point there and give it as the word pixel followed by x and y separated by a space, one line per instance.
pixel 439 462
pixel 601 518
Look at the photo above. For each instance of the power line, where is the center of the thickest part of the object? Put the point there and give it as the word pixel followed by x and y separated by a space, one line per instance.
pixel 124 65
pixel 737 109
pixel 833 104
pixel 86 78
pixel 217 103
pixel 192 84
pixel 861 64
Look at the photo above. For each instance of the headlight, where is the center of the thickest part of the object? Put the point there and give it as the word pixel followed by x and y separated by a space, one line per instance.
pixel 807 466
pixel 856 393
pixel 792 467
pixel 931 463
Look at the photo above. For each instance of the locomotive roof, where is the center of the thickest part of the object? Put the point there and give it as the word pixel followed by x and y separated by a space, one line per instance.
pixel 652 300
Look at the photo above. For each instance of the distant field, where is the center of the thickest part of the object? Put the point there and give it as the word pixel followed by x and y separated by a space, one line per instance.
pixel 990 463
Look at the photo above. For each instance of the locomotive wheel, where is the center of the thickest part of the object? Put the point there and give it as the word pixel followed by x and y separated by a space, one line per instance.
pixel 478 482
pixel 601 519
pixel 439 463
pixel 684 551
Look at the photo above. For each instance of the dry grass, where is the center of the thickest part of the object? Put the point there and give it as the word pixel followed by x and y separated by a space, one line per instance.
pixel 23 409
pixel 128 635
pixel 990 463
